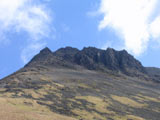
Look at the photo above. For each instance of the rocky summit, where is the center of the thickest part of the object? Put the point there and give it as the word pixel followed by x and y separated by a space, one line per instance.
pixel 90 58
pixel 87 84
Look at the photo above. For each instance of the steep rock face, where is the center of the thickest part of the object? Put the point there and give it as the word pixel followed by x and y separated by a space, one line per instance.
pixel 97 59
pixel 123 61
pixel 91 58
pixel 88 57
pixel 67 53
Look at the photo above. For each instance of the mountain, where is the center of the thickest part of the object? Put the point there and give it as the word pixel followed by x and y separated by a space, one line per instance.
pixel 92 59
pixel 87 84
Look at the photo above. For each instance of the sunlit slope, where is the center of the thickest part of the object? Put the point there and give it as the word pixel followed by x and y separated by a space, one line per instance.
pixel 53 93
pixel 26 109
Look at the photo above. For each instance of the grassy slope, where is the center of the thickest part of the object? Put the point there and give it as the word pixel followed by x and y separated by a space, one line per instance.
pixel 53 94
pixel 26 109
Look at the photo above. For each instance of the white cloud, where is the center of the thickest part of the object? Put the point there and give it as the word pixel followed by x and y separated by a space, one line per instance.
pixel 155 27
pixel 29 16
pixel 131 19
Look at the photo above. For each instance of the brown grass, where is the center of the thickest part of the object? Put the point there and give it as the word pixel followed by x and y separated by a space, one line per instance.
pixel 128 101
pixel 26 109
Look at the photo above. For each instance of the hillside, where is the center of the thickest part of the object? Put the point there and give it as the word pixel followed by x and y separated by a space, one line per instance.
pixel 87 84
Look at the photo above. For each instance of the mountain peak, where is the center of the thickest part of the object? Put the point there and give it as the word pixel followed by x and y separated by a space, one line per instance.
pixel 46 50
pixel 41 58
pixel 91 58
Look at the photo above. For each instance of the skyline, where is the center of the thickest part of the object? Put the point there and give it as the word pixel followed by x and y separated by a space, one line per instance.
pixel 28 26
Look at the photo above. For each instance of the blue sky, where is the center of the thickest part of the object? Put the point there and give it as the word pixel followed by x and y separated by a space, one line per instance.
pixel 29 25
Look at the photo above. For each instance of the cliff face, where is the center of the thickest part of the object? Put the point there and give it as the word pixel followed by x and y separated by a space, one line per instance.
pixel 87 84
pixel 108 59
pixel 92 59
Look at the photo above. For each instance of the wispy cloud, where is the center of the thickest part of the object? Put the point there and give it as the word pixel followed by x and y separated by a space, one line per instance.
pixel 131 19
pixel 65 28
pixel 29 16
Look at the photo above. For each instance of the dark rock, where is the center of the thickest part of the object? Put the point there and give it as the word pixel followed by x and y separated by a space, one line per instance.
pixel 67 53
pixel 91 58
